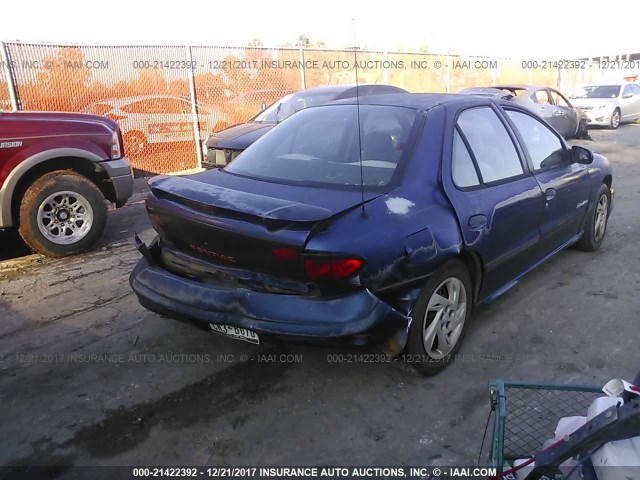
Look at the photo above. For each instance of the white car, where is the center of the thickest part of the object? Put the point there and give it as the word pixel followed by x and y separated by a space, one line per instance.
pixel 157 119
pixel 609 104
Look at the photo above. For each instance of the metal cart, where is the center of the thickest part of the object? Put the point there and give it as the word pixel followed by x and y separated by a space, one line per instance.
pixel 526 415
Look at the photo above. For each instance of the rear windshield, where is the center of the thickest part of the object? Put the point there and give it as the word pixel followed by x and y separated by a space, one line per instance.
pixel 320 146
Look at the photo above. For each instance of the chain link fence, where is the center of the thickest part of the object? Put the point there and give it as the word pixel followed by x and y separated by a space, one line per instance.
pixel 168 99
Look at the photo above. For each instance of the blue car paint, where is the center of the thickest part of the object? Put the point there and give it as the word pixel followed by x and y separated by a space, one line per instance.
pixel 402 247
pixel 238 137
pixel 356 315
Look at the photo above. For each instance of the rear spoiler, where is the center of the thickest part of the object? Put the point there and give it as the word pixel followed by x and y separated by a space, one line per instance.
pixel 213 198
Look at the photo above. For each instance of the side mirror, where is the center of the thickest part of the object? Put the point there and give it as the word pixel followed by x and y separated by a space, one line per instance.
pixel 581 155
pixel 627 95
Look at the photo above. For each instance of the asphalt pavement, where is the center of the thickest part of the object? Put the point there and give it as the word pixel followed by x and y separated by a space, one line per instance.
pixel 89 377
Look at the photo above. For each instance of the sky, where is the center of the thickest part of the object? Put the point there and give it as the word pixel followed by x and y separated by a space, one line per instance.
pixel 539 30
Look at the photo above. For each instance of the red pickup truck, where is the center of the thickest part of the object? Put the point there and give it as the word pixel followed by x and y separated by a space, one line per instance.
pixel 56 170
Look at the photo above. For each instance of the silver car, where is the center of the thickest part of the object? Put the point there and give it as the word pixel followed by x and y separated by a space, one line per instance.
pixel 547 102
pixel 609 104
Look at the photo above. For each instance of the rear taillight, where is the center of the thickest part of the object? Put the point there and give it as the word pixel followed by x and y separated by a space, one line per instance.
pixel 285 254
pixel 331 268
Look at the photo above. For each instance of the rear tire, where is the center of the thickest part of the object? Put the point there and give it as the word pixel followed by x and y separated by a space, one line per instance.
pixel 440 317
pixel 596 226
pixel 62 213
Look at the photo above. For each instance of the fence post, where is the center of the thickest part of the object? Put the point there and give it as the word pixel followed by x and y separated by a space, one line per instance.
pixel 194 108
pixel 8 73
pixel 303 83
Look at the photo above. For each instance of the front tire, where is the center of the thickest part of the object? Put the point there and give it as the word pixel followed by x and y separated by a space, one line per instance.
pixel 62 213
pixel 615 119
pixel 440 317
pixel 596 225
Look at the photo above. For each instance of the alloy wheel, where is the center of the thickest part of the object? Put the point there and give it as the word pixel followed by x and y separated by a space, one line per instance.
pixel 615 119
pixel 444 318
pixel 65 217
pixel 602 210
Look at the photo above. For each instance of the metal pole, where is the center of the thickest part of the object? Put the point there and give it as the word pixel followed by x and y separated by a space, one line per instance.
pixel 194 108
pixel 8 73
pixel 302 79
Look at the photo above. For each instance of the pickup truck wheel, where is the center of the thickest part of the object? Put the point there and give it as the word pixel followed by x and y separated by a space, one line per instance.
pixel 62 213
pixel 440 317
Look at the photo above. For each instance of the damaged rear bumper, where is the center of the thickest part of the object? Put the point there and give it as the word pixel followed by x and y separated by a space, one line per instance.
pixel 359 318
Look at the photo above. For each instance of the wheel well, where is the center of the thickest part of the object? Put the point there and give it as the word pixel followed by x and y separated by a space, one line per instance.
pixel 607 181
pixel 79 165
pixel 473 262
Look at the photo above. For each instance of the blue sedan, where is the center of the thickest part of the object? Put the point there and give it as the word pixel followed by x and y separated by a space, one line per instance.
pixel 383 221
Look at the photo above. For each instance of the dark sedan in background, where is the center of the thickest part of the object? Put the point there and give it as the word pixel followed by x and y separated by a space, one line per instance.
pixel 225 145
pixel 547 102
pixel 383 222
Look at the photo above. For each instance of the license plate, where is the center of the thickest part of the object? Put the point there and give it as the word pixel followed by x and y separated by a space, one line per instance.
pixel 236 332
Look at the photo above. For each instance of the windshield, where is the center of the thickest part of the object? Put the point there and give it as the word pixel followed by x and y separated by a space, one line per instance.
pixel 598 91
pixel 320 146
pixel 287 106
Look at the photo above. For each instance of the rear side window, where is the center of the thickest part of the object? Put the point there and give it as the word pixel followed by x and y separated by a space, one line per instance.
pixel 490 143
pixel 544 147
pixel 463 171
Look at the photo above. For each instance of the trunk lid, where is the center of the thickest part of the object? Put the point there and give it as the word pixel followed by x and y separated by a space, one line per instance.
pixel 243 230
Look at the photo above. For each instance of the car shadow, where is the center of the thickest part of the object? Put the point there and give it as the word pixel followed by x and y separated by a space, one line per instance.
pixel 12 245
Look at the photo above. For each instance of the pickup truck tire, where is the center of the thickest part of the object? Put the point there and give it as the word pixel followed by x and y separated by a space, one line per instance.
pixel 62 213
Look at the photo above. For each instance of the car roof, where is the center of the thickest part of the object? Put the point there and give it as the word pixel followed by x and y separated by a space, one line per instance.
pixel 484 91
pixel 518 86
pixel 342 88
pixel 118 102
pixel 609 84
pixel 417 101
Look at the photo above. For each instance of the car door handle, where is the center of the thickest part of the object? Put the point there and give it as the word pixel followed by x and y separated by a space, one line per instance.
pixel 558 113
pixel 550 193
pixel 477 222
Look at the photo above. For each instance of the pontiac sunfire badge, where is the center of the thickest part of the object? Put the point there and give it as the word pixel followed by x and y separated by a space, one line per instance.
pixel 10 144
pixel 584 202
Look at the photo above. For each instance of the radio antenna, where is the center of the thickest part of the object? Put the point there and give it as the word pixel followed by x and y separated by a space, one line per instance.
pixel 363 213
